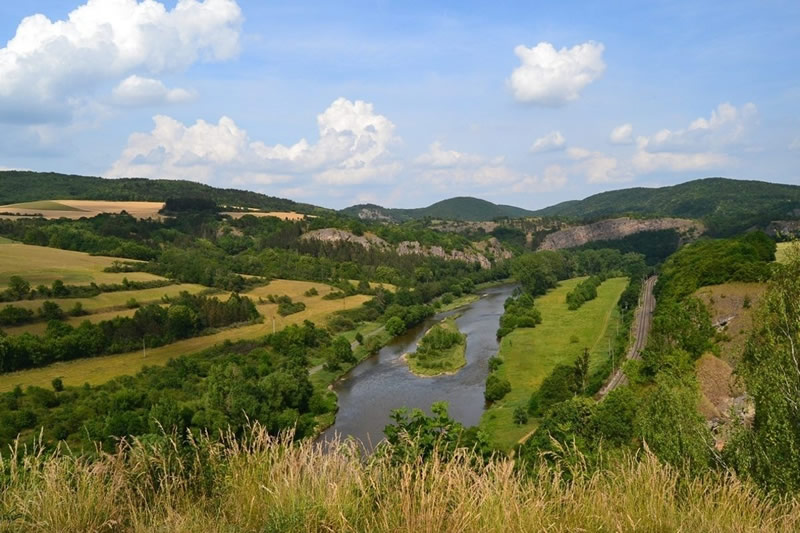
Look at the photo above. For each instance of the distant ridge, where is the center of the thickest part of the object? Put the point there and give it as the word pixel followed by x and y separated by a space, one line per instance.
pixel 727 206
pixel 24 186
pixel 458 208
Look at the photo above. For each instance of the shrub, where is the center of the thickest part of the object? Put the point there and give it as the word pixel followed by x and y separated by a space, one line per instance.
pixel 496 388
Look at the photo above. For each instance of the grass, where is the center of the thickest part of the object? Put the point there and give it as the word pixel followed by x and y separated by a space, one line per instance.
pixel 263 483
pixel 43 265
pixel 530 354
pixel 450 360
pixel 784 250
pixel 83 208
pixel 101 369
pixel 725 301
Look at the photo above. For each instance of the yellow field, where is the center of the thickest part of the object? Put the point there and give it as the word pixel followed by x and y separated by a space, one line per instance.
pixel 726 301
pixel 83 208
pixel 784 248
pixel 101 369
pixel 43 265
pixel 283 215
pixel 109 300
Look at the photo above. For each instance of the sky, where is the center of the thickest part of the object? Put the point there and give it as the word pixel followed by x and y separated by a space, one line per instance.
pixel 403 103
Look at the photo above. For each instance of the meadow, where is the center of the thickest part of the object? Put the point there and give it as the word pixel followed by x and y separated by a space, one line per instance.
pixel 782 253
pixel 264 483
pixel 530 354
pixel 43 265
pixel 75 209
pixel 101 369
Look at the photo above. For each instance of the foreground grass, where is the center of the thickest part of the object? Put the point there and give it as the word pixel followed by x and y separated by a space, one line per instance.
pixel 98 370
pixel 530 354
pixel 42 265
pixel 264 484
pixel 449 360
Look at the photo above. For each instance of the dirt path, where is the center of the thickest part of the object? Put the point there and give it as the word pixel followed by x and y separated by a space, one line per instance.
pixel 641 328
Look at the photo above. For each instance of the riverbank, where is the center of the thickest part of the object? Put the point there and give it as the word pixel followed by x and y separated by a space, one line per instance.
pixel 530 354
pixel 439 362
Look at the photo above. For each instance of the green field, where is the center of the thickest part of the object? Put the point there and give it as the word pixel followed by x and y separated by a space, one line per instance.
pixel 782 254
pixel 98 370
pixel 451 359
pixel 42 265
pixel 530 354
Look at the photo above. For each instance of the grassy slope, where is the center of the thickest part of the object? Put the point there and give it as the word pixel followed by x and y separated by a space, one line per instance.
pixel 43 265
pixel 44 205
pixel 782 254
pixel 530 354
pixel 101 369
pixel 453 359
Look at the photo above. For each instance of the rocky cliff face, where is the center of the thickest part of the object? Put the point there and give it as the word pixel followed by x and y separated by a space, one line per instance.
pixel 617 228
pixel 491 247
pixel 783 228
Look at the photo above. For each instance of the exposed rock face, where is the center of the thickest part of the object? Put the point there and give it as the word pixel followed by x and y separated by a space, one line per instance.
pixel 491 247
pixel 617 228
pixel 373 214
pixel 783 228
pixel 368 240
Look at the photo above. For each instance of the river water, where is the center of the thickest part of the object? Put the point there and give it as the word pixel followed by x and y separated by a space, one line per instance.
pixel 369 392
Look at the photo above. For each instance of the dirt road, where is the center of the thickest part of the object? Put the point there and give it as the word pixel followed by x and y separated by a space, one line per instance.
pixel 641 328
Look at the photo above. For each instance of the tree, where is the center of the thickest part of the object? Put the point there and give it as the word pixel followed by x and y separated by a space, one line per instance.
pixel 342 350
pixel 18 287
pixel 496 388
pixel 520 415
pixel 181 321
pixel 768 451
pixel 58 384
pixel 414 435
pixel 395 326
pixel 51 311
pixel 581 371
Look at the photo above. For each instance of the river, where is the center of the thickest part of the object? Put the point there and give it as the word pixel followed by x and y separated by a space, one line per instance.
pixel 371 390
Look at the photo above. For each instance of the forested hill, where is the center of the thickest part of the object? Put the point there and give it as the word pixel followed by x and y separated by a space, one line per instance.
pixel 459 208
pixel 726 206
pixel 23 186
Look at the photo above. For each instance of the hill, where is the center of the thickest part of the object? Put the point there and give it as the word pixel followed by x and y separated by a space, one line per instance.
pixel 23 186
pixel 458 208
pixel 726 206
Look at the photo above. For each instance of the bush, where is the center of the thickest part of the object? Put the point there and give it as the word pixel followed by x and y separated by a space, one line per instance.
pixel 132 303
pixel 395 326
pixel 520 416
pixel 496 388
pixel 312 292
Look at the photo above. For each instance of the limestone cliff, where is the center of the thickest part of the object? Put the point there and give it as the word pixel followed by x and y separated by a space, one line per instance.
pixel 617 228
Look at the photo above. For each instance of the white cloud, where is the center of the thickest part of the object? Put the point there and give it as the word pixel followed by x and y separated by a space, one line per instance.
pixel 700 146
pixel 553 77
pixel 551 142
pixel 795 144
pixel 353 148
pixel 437 157
pixel 554 178
pixel 726 125
pixel 622 134
pixel 598 167
pixel 678 161
pixel 138 91
pixel 50 69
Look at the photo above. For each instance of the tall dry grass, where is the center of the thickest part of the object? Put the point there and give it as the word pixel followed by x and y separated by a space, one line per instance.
pixel 263 483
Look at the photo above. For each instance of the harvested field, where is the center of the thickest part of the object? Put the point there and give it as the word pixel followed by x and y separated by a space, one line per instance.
pixel 284 215
pixel 43 265
pixel 82 208
pixel 784 248
pixel 101 369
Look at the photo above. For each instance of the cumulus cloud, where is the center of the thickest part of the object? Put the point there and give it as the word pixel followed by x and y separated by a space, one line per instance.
pixel 549 143
pixel 551 77
pixel 622 134
pixel 700 146
pixel 137 91
pixel 445 169
pixel 50 68
pixel 598 167
pixel 353 148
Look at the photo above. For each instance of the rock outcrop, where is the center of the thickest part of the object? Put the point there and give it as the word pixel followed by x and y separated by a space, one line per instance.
pixel 617 228
pixel 783 228
pixel 490 247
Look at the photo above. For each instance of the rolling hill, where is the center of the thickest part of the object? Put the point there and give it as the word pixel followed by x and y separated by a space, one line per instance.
pixel 459 208
pixel 726 206
pixel 23 186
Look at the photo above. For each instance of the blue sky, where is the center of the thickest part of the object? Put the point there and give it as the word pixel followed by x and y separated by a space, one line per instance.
pixel 403 103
